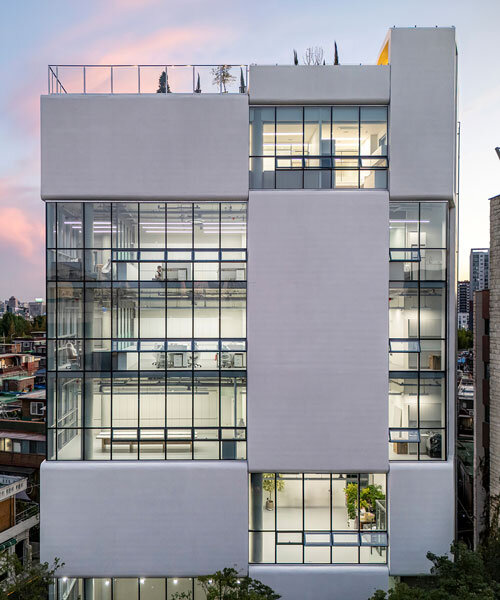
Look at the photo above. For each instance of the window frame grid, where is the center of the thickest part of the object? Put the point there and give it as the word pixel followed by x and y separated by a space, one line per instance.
pixel 55 374
pixel 332 531
pixel 331 156
pixel 444 284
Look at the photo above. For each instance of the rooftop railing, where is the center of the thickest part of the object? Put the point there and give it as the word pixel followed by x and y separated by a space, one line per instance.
pixel 147 79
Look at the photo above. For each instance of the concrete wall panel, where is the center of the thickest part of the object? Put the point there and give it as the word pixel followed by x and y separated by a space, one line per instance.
pixel 157 146
pixel 421 514
pixel 422 115
pixel 323 582
pixel 342 84
pixel 317 331
pixel 149 519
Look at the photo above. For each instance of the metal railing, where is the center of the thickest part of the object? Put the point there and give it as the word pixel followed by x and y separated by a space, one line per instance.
pixel 29 512
pixel 147 79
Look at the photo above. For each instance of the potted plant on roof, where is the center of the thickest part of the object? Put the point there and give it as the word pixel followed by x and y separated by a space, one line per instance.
pixel 269 485
pixel 222 76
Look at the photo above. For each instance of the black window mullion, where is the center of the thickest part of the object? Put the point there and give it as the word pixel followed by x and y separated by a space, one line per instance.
pixel 219 354
pixel 359 513
pixel 303 516
pixel 359 147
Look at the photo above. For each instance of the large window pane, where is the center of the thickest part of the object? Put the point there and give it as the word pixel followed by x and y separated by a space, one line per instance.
pixel 262 173
pixel 433 224
pixel 317 503
pixel 233 401
pixel 69 264
pixel 432 310
pixel 125 310
pixel 70 310
pixel 98 265
pixel 233 310
pixel 317 131
pixel 179 400
pixel 206 310
pixel 262 131
pixel 180 225
pixel 289 502
pixel 345 130
pixel 69 400
pixel 152 400
pixel 403 310
pixel 432 400
pixel 152 310
pixel 373 131
pixel 233 225
pixel 152 225
pixel 403 225
pixel 403 400
pixel 97 400
pixel 98 311
pixel 206 400
pixel 124 401
pixel 179 310
pixel 206 225
pixel 69 225
pixel 97 224
pixel 125 225
pixel 289 131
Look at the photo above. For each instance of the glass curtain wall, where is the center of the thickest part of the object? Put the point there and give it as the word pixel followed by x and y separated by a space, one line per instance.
pixel 318 147
pixel 417 330
pixel 318 518
pixel 146 330
pixel 127 588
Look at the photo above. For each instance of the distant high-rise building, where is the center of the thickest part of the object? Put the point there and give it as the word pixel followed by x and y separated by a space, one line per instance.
pixel 479 270
pixel 463 304
pixel 13 303
pixel 463 296
pixel 36 308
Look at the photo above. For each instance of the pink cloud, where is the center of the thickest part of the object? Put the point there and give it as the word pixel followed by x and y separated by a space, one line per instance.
pixel 22 223
pixel 21 233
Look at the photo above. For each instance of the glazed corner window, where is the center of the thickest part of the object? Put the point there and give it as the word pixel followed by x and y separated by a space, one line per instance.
pixel 318 147
pixel 318 518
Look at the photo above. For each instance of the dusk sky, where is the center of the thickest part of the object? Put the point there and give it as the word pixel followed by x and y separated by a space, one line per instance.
pixel 35 33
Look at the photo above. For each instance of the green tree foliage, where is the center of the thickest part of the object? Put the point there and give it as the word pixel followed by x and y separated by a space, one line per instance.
pixel 228 585
pixel 14 326
pixel 40 323
pixel 25 582
pixel 468 575
pixel 465 339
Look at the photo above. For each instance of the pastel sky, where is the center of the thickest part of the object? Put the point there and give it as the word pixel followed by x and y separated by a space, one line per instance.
pixel 35 33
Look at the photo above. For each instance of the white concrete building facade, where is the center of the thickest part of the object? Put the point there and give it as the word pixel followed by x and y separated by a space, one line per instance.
pixel 252 368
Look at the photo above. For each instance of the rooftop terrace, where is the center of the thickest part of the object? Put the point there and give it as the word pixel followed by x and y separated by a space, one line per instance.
pixel 147 79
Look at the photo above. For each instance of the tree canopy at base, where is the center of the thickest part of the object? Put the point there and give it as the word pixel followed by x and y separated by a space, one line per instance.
pixel 469 575
pixel 228 585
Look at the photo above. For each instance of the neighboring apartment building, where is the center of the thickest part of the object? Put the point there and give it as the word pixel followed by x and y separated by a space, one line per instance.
pixel 222 390
pixel 479 265
pixel 463 304
pixel 481 410
pixel 18 515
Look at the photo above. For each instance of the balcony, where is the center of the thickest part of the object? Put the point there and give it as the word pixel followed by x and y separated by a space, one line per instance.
pixel 147 79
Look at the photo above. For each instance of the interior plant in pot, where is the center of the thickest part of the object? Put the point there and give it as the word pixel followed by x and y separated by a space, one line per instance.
pixel 351 500
pixel 368 500
pixel 271 483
